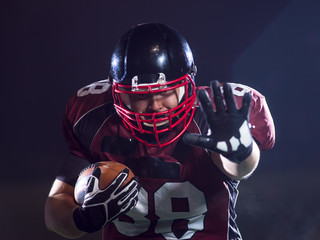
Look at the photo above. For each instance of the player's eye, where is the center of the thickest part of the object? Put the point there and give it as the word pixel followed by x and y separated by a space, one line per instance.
pixel 167 93
pixel 139 97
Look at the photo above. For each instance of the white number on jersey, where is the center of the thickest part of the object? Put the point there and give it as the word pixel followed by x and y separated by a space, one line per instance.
pixel 167 211
pixel 238 89
pixel 94 88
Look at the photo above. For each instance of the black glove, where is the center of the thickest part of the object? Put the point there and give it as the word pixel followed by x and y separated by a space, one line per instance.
pixel 230 133
pixel 103 206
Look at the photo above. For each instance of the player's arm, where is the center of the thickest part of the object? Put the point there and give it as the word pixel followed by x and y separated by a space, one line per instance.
pixel 59 209
pixel 230 142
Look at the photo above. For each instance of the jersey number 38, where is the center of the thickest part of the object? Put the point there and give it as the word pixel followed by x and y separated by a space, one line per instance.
pixel 173 201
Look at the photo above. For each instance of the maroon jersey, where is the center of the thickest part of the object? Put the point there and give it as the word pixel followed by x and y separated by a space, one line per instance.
pixel 183 194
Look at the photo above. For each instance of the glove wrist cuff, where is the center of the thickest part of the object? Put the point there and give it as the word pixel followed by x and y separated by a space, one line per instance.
pixel 82 223
pixel 240 156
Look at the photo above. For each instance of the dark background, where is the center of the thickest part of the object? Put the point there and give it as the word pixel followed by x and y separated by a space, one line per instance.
pixel 49 49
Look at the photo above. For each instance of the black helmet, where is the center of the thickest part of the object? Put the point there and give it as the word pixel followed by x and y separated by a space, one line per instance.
pixel 150 58
pixel 149 49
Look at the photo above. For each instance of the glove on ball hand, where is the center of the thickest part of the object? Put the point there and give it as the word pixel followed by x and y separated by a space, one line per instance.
pixel 230 133
pixel 103 206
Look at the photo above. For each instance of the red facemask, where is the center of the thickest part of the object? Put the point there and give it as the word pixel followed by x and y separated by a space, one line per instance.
pixel 144 125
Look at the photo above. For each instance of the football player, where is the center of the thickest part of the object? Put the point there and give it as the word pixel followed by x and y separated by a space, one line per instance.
pixel 189 146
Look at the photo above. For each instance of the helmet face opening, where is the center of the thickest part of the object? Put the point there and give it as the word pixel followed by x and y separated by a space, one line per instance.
pixel 152 128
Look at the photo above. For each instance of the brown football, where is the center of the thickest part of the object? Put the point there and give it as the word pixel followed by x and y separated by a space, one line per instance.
pixel 109 171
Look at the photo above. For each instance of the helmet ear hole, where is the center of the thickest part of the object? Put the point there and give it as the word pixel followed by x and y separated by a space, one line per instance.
pixel 193 71
pixel 191 87
pixel 110 78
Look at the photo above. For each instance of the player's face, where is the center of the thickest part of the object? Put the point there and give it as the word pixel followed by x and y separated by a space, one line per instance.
pixel 152 103
pixel 155 102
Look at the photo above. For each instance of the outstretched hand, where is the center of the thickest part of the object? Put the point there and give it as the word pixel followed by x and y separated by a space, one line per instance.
pixel 230 133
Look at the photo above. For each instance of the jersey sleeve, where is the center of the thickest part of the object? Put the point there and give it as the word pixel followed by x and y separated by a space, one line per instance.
pixel 261 121
pixel 81 119
pixel 84 113
pixel 71 168
pixel 74 145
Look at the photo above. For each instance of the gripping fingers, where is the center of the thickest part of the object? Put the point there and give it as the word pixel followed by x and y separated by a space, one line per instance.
pixel 127 206
pixel 92 189
pixel 127 199
pixel 133 184
pixel 130 204
pixel 122 176
pixel 93 181
pixel 129 196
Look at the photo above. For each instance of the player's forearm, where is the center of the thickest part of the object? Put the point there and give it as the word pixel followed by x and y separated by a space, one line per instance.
pixel 59 216
pixel 238 171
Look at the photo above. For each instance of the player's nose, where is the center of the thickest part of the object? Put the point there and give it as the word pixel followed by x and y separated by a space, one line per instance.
pixel 156 104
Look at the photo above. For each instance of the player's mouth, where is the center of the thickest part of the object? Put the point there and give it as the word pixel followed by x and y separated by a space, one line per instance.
pixel 158 124
pixel 160 120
